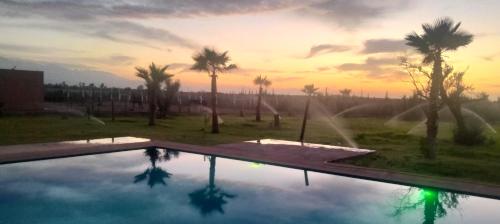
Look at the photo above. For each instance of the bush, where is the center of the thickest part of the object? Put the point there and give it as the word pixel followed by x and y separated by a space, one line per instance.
pixel 473 135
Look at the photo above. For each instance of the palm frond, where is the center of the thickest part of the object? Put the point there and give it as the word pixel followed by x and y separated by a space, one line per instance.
pixel 210 60
pixel 418 42
pixel 200 63
pixel 444 34
pixel 144 74
pixel 258 80
pixel 231 67
pixel 459 39
pixel 267 82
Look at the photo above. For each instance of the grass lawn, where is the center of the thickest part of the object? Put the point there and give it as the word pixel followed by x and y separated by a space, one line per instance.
pixel 396 150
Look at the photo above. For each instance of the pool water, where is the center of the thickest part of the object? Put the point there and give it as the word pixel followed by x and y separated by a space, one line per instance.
pixel 166 186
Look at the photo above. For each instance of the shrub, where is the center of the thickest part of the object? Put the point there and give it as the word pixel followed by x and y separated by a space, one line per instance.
pixel 473 135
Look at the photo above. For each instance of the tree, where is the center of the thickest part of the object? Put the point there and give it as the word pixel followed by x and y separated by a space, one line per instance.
pixel 452 94
pixel 345 92
pixel 101 88
pixel 309 90
pixel 210 198
pixel 442 36
pixel 171 90
pixel 435 203
pixel 153 79
pixel 154 175
pixel 260 81
pixel 213 62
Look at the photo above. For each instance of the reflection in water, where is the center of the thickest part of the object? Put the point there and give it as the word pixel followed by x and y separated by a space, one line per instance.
pixel 269 194
pixel 113 140
pixel 169 154
pixel 306 178
pixel 156 175
pixel 434 202
pixel 210 198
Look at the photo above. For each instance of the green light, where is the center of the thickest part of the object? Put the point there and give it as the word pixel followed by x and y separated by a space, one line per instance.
pixel 256 165
pixel 428 194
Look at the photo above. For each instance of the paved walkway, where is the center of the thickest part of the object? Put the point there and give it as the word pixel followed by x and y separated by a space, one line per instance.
pixel 313 160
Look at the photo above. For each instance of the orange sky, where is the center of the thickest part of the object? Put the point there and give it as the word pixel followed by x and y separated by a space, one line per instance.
pixel 358 42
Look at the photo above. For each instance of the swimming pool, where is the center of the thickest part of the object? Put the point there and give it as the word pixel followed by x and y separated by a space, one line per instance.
pixel 166 186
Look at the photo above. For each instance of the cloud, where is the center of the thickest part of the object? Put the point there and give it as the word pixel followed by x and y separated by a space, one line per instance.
pixel 176 66
pixel 114 60
pixel 344 12
pixel 121 59
pixel 384 46
pixel 91 10
pixel 69 73
pixel 115 20
pixel 287 78
pixel 491 57
pixel 323 68
pixel 133 33
pixel 386 67
pixel 32 49
pixel 98 19
pixel 325 49
pixel 350 14
pixel 115 31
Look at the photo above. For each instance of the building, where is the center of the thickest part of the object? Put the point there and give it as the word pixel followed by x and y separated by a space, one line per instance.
pixel 21 91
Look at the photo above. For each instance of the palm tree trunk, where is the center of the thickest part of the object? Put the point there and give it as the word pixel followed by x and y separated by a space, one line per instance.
pixel 112 109
pixel 304 121
pixel 430 208
pixel 152 107
pixel 432 116
pixel 215 120
pixel 211 178
pixel 259 99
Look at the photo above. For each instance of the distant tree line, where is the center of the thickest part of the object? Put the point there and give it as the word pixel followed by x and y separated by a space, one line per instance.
pixel 134 100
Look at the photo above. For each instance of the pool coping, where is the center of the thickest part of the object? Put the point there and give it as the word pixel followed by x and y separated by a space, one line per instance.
pixel 42 151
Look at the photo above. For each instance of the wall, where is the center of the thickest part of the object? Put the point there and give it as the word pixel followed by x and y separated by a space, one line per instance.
pixel 21 91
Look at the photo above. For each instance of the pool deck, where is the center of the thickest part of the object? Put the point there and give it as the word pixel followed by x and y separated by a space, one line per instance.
pixel 307 159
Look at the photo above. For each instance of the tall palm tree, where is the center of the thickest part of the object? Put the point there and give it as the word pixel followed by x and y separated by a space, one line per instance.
pixel 153 77
pixel 442 36
pixel 213 62
pixel 310 91
pixel 260 81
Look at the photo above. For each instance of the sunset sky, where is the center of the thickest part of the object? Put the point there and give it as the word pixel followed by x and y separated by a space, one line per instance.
pixel 332 43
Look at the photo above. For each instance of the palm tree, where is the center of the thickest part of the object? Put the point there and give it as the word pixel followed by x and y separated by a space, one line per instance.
pixel 435 203
pixel 345 92
pixel 309 90
pixel 154 175
pixel 260 81
pixel 213 62
pixel 210 198
pixel 442 36
pixel 153 78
